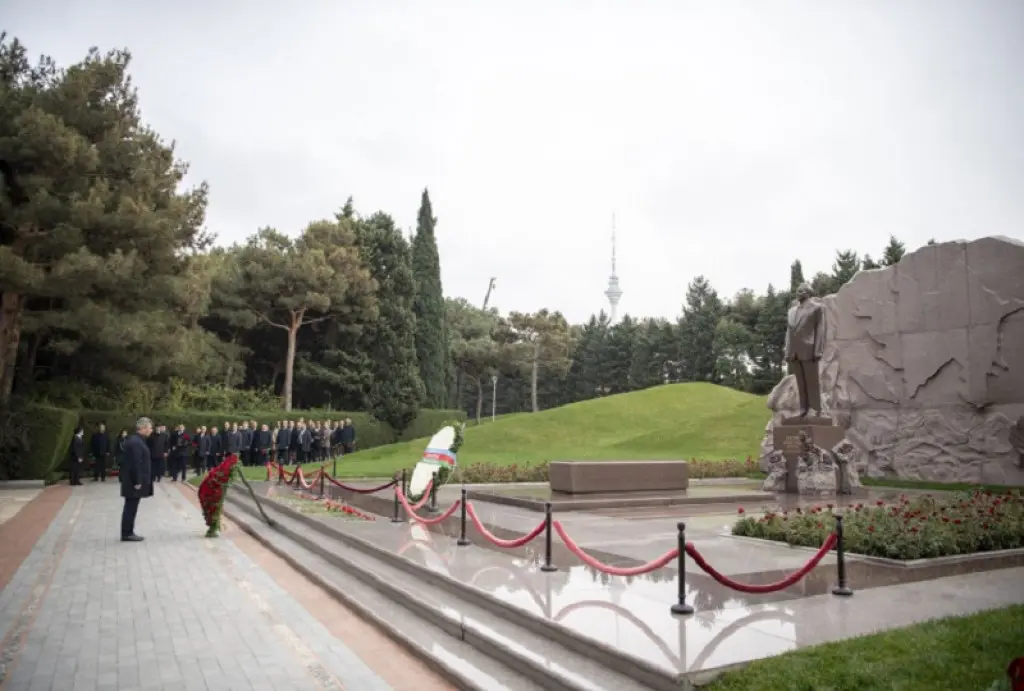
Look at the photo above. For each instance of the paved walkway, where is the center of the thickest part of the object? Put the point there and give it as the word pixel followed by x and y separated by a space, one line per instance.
pixel 86 611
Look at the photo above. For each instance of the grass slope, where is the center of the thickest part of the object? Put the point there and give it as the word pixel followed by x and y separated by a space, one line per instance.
pixel 957 653
pixel 676 421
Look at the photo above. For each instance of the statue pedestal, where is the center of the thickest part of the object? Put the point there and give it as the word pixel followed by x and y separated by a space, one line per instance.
pixel 810 456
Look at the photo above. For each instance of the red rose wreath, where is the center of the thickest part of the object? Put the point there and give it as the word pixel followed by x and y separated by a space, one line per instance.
pixel 212 491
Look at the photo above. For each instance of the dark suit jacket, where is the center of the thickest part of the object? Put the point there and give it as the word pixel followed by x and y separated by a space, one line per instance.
pixel 204 445
pixel 99 444
pixel 136 468
pixel 284 438
pixel 805 331
pixel 348 434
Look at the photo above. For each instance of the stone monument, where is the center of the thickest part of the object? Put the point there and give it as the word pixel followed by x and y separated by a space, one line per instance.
pixel 1017 440
pixel 809 453
pixel 922 367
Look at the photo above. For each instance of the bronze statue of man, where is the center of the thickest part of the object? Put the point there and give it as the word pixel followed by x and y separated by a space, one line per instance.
pixel 805 342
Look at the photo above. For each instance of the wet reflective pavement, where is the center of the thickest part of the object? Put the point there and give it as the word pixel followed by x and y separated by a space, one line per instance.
pixel 632 614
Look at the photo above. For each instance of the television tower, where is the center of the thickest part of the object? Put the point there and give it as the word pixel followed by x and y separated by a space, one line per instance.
pixel 614 293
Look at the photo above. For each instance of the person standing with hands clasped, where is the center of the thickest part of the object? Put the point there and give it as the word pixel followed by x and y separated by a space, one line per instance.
pixel 136 477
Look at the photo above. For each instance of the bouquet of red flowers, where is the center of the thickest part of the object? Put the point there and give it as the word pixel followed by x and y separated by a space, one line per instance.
pixel 212 491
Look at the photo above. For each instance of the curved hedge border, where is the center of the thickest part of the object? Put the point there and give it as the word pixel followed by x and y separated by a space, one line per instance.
pixel 49 430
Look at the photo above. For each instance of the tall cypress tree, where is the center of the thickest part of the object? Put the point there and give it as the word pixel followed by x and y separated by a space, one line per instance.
pixel 428 306
pixel 796 276
pixel 395 390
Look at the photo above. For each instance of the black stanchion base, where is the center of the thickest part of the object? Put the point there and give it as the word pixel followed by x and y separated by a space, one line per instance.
pixel 397 520
pixel 548 568
pixel 682 608
pixel 842 592
pixel 462 543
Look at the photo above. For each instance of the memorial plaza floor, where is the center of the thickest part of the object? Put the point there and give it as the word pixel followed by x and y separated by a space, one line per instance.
pixel 81 610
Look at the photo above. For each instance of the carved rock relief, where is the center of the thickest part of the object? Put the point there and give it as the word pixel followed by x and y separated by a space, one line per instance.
pixel 924 364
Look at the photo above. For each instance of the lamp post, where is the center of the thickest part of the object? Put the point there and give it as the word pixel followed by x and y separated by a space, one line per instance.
pixel 494 394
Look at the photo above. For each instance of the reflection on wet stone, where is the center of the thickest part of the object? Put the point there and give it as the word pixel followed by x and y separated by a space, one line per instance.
pixel 631 614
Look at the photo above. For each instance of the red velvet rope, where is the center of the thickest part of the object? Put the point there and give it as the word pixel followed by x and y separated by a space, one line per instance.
pixel 507 544
pixel 607 568
pixel 360 490
pixel 425 521
pixel 789 580
pixel 301 478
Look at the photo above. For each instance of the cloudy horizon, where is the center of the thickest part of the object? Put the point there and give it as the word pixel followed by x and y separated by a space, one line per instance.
pixel 728 138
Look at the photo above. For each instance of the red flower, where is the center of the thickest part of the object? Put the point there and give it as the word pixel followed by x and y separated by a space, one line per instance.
pixel 956 521
pixel 871 528
pixel 740 510
pixel 880 503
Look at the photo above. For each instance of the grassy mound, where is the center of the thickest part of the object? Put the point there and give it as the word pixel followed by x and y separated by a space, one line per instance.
pixel 677 421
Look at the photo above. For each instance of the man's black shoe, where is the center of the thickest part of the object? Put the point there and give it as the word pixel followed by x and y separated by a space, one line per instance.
pixel 132 538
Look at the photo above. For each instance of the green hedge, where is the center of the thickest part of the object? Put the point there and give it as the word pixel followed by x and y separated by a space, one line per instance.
pixel 51 428
pixel 37 441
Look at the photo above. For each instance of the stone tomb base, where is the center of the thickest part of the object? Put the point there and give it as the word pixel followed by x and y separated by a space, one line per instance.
pixel 818 464
pixel 595 477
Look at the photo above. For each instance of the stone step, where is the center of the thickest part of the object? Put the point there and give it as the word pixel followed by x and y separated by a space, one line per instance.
pixel 482 647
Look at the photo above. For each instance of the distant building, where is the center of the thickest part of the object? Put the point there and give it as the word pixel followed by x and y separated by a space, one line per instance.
pixel 614 292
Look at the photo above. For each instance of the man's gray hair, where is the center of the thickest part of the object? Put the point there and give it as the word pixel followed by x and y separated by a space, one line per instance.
pixel 143 422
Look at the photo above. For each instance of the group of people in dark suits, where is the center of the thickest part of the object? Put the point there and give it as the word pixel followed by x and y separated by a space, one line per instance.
pixel 151 453
pixel 172 453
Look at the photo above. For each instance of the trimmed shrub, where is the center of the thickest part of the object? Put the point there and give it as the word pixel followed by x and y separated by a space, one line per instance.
pixel 35 442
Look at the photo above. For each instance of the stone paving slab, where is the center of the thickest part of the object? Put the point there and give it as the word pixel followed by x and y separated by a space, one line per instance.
pixel 178 611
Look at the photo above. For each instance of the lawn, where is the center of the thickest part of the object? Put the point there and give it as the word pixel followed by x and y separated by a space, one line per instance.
pixel 677 421
pixel 970 652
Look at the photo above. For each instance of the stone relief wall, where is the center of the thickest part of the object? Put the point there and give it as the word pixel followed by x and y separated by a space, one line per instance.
pixel 924 364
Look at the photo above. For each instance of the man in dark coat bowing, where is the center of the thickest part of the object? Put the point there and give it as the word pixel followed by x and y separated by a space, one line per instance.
pixel 136 477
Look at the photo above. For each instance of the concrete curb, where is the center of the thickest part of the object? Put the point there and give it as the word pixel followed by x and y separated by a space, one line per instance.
pixel 613 659
pixel 22 484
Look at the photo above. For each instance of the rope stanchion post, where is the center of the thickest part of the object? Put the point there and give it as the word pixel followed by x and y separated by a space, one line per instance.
pixel 433 496
pixel 680 607
pixel 405 487
pixel 841 588
pixel 462 521
pixel 322 479
pixel 547 567
pixel 334 467
pixel 396 518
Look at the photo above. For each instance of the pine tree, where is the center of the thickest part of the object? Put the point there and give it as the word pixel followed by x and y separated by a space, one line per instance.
pixel 796 276
pixel 893 252
pixel 390 340
pixel 95 226
pixel 428 306
pixel 869 263
pixel 701 313
pixel 769 340
pixel 617 357
pixel 846 266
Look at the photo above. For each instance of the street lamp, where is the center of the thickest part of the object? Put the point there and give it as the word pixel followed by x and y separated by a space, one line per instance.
pixel 494 394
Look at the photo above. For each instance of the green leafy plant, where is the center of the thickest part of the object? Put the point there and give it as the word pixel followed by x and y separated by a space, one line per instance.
pixel 919 528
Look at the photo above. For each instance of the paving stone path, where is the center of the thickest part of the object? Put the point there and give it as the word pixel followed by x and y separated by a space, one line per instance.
pixel 178 611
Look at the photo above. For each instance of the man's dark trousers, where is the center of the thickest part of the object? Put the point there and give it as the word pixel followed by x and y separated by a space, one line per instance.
pixel 131 508
pixel 99 468
pixel 75 472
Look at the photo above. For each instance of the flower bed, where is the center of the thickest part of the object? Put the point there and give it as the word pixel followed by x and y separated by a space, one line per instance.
pixel 336 507
pixel 482 473
pixel 919 528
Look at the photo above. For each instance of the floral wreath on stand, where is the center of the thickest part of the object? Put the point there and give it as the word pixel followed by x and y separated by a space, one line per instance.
pixel 444 471
pixel 214 489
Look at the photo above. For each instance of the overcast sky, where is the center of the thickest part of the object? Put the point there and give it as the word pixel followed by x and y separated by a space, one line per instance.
pixel 728 137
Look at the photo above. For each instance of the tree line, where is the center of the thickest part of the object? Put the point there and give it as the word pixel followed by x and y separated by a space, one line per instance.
pixel 115 297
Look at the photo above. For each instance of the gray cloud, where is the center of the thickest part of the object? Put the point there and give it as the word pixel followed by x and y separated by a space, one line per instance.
pixel 729 137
